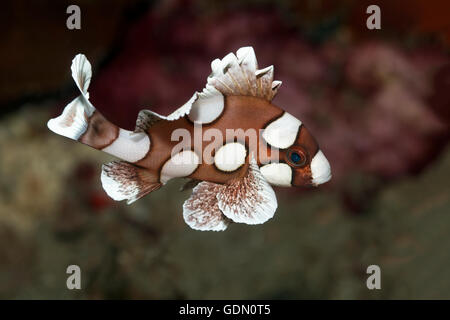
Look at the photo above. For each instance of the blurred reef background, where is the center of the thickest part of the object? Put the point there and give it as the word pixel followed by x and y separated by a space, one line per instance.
pixel 378 102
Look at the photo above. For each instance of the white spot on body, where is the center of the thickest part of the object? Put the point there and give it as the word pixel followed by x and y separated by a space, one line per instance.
pixel 180 165
pixel 129 146
pixel 208 107
pixel 320 169
pixel 230 157
pixel 278 174
pixel 282 132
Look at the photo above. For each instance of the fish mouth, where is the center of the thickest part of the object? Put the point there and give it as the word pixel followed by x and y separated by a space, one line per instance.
pixel 320 169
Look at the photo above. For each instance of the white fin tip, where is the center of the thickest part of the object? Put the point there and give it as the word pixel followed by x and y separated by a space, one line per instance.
pixel 73 121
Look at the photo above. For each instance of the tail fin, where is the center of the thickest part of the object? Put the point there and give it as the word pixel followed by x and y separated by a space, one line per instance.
pixel 73 122
pixel 82 122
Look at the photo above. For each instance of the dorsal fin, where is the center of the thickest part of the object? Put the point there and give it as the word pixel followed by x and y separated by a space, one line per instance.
pixel 238 75
pixel 146 118
pixel 234 75
pixel 203 107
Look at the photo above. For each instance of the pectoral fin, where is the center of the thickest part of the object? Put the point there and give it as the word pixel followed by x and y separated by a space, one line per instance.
pixel 250 199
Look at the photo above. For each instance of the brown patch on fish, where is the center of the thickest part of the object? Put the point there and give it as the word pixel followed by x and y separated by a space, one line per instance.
pixel 100 132
pixel 307 141
pixel 301 176
pixel 240 112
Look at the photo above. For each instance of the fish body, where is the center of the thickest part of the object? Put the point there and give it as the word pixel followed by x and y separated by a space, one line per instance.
pixel 235 115
pixel 230 139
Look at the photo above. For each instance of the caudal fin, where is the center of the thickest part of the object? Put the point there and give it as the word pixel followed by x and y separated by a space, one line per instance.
pixel 73 122
pixel 82 122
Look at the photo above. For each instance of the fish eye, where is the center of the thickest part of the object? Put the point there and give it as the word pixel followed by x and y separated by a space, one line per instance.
pixel 296 157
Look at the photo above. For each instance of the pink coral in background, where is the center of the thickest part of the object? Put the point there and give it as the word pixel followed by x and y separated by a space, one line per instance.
pixel 367 103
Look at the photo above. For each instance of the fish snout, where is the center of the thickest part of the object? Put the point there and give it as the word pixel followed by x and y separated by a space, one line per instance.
pixel 320 169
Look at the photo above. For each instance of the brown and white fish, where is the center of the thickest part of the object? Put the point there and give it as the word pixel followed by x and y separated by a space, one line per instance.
pixel 232 174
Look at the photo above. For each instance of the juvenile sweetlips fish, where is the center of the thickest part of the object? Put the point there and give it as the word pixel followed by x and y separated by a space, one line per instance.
pixel 231 175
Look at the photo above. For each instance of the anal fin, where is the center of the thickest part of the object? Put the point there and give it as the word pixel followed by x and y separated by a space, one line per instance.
pixel 125 181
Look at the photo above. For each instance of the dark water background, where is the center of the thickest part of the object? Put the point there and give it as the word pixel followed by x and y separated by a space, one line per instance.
pixel 377 101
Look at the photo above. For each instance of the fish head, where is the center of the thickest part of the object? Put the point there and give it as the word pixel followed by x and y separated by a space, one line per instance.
pixel 300 160
pixel 308 163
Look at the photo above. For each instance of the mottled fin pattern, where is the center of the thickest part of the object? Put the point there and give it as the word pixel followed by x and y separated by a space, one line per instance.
pixel 125 181
pixel 201 210
pixel 249 200
pixel 238 75
pixel 73 122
